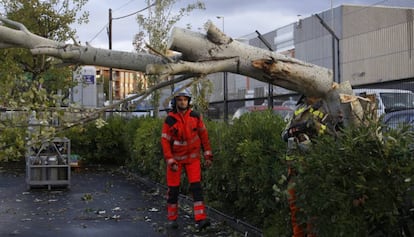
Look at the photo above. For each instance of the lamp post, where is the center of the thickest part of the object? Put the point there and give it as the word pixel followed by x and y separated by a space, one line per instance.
pixel 222 22
pixel 225 84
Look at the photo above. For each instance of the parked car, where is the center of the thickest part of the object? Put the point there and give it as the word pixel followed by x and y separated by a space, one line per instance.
pixel 291 103
pixel 389 100
pixel 284 111
pixel 397 118
pixel 139 109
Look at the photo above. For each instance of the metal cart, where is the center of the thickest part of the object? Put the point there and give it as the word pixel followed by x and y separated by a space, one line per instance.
pixel 48 165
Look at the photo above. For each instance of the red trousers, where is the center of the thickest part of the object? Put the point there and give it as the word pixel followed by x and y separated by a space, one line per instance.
pixel 193 171
pixel 192 168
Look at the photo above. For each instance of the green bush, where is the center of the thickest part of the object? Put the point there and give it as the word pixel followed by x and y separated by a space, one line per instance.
pixel 248 162
pixel 130 131
pixel 354 185
pixel 103 145
pixel 146 154
pixel 12 144
pixel 80 142
pixel 349 186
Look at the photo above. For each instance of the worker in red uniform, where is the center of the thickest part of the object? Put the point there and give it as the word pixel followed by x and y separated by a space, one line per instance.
pixel 183 136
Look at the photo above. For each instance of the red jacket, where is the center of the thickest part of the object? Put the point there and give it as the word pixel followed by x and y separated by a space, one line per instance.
pixel 183 135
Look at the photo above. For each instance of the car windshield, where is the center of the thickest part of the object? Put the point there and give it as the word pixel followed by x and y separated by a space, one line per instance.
pixel 397 100
pixel 398 119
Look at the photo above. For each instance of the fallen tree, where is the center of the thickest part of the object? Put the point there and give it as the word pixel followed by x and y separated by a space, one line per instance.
pixel 200 54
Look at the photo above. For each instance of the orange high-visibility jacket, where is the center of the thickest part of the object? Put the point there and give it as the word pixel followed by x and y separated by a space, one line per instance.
pixel 183 135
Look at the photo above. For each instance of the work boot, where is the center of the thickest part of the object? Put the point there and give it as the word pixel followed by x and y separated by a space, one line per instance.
pixel 172 224
pixel 202 224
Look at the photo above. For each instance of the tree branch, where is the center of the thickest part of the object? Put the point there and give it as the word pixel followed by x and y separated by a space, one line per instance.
pixel 95 114
pixel 198 48
pixel 200 54
pixel 207 67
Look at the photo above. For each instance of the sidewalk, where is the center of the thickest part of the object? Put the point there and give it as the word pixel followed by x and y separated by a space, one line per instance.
pixel 98 203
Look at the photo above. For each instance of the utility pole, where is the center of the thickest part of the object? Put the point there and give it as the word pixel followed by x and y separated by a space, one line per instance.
pixel 110 47
pixel 110 44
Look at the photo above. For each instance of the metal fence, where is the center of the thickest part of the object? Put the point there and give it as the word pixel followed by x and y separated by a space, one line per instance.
pixel 225 108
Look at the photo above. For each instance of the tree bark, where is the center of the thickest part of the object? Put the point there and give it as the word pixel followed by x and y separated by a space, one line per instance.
pixel 200 55
pixel 289 73
pixel 73 53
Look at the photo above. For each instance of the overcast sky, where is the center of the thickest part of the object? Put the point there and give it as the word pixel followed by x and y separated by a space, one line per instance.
pixel 241 17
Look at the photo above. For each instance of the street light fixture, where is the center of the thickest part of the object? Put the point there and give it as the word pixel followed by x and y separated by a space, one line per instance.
pixel 222 21
pixel 225 83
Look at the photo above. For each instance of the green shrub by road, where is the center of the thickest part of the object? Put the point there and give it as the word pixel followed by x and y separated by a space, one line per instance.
pixel 348 186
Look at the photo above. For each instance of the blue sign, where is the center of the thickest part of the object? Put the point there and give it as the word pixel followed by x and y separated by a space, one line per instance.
pixel 89 79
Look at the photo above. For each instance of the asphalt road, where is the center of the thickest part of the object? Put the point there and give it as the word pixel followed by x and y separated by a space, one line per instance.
pixel 99 203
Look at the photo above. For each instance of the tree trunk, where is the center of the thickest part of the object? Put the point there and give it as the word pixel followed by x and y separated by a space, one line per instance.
pixel 202 54
pixel 215 47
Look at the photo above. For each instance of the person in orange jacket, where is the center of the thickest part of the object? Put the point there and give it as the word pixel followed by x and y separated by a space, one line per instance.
pixel 308 121
pixel 183 136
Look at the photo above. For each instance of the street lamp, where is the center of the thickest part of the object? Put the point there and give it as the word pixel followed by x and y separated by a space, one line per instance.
pixel 222 21
pixel 225 83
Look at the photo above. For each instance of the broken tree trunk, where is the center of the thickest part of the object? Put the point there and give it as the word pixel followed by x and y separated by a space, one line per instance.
pixel 200 55
pixel 218 52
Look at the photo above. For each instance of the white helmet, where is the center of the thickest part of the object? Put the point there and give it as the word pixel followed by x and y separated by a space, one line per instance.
pixel 180 92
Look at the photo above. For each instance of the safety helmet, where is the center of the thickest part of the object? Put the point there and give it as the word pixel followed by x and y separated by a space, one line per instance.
pixel 180 92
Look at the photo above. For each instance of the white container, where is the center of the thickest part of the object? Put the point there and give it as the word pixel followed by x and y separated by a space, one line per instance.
pixel 53 171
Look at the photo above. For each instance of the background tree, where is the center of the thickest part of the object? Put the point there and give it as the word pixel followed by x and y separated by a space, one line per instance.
pixel 33 82
pixel 51 20
pixel 202 89
pixel 155 28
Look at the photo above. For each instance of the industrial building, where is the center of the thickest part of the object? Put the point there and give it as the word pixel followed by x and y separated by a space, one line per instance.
pixel 369 46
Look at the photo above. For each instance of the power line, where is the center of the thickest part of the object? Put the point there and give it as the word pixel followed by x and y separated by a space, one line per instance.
pixel 124 5
pixel 117 18
pixel 100 31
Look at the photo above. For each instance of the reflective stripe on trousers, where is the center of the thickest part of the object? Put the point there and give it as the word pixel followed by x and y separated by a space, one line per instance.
pixel 172 211
pixel 199 211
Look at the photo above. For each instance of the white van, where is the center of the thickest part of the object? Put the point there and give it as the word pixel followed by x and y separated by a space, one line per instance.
pixel 389 99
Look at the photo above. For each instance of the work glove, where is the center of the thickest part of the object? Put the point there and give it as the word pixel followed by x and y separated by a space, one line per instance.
pixel 297 128
pixel 208 161
pixel 172 164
